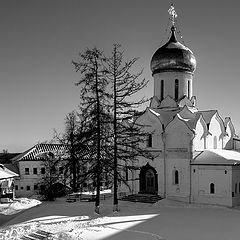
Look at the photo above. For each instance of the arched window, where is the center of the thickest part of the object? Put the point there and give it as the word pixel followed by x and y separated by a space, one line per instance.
pixel 162 90
pixel 215 142
pixel 212 190
pixel 176 177
pixel 149 140
pixel 176 88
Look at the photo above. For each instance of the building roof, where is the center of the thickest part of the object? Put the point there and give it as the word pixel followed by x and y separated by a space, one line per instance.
pixel 35 152
pixel 217 157
pixel 173 56
pixel 6 173
pixel 6 157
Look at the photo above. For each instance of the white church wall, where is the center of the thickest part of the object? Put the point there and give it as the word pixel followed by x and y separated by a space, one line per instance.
pixel 235 185
pixel 199 140
pixel 213 140
pixel 203 176
pixel 230 132
pixel 236 144
pixel 169 84
pixel 178 136
pixel 133 182
pixel 178 190
pixel 152 125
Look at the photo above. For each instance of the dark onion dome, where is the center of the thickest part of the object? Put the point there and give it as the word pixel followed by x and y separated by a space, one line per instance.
pixel 173 56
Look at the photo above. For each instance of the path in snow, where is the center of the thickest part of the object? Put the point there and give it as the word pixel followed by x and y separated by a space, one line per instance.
pixel 164 220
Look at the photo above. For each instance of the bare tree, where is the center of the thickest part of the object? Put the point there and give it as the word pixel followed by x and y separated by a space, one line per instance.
pixel 126 133
pixel 93 97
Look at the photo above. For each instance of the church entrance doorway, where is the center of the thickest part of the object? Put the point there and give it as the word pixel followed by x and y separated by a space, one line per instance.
pixel 148 180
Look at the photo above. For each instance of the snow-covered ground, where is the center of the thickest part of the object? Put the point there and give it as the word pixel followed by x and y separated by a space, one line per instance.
pixel 18 205
pixel 163 220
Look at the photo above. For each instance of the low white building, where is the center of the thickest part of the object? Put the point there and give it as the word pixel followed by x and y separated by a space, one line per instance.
pixel 31 168
pixel 196 157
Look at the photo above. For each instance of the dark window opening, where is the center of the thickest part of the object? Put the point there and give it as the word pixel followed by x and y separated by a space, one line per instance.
pixel 162 90
pixel 176 177
pixel 35 187
pixel 16 187
pixel 225 171
pixel 26 171
pixel 43 170
pixel 176 88
pixel 236 188
pixel 188 89
pixel 149 140
pixel 28 188
pixel 212 188
pixel 34 170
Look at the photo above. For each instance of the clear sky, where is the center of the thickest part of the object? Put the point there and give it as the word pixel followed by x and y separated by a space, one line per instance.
pixel 40 38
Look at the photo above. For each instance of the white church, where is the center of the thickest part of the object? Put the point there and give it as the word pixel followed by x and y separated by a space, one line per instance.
pixel 197 153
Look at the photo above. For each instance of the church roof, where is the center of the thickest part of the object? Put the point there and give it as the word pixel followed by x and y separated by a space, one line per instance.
pixel 173 56
pixel 207 115
pixel 217 157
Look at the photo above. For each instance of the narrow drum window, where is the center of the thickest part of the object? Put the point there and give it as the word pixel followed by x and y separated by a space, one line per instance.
pixel 212 188
pixel 188 89
pixel 149 140
pixel 176 88
pixel 176 177
pixel 162 90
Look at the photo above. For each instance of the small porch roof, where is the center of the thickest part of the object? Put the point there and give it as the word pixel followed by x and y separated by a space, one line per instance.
pixel 217 157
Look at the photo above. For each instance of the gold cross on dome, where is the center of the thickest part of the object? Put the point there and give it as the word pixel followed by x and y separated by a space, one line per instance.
pixel 172 13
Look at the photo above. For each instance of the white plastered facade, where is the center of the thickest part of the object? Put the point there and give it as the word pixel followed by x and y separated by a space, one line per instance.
pixel 180 134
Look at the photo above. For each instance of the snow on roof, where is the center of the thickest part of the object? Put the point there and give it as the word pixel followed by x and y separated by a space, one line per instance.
pixel 217 157
pixel 207 115
pixel 166 116
pixel 34 152
pixel 6 173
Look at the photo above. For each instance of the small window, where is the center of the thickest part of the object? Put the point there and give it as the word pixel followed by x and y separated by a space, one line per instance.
pixel 149 140
pixel 35 187
pixel 16 187
pixel 212 188
pixel 238 187
pixel 235 188
pixel 232 194
pixel 225 171
pixel 176 177
pixel 176 88
pixel 34 170
pixel 26 171
pixel 22 188
pixel 42 170
pixel 194 170
pixel 28 188
pixel 162 90
pixel 188 89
